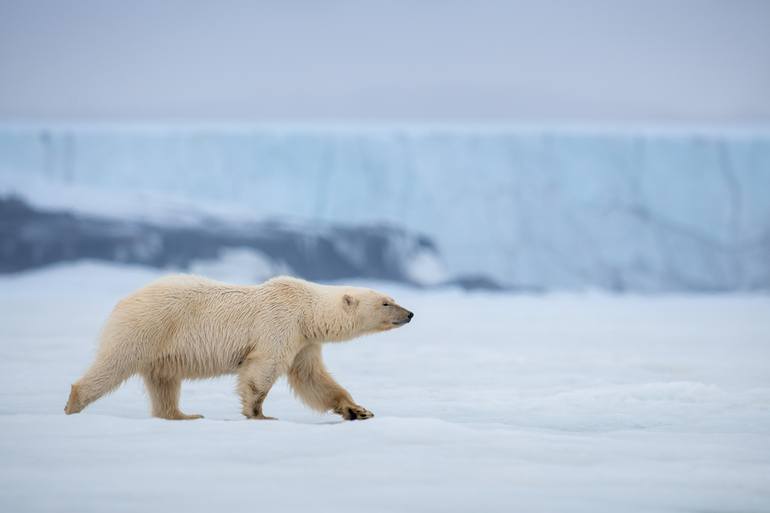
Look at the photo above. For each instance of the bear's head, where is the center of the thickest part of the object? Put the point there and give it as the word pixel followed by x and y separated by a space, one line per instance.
pixel 371 311
pixel 341 313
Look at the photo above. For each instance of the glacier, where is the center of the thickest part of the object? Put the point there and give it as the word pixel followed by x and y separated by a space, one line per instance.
pixel 545 208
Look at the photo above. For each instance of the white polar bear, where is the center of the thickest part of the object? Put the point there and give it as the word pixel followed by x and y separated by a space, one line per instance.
pixel 181 327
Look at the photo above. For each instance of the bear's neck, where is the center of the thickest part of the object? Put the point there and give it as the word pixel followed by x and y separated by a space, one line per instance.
pixel 326 322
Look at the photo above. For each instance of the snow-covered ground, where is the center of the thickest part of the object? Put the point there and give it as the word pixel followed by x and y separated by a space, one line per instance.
pixel 484 403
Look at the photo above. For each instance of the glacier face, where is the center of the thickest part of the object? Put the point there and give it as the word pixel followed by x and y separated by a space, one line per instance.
pixel 534 208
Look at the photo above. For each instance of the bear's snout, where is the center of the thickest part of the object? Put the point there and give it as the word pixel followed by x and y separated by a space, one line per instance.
pixel 404 317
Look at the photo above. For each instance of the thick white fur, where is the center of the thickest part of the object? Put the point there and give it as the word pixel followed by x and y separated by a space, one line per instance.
pixel 187 327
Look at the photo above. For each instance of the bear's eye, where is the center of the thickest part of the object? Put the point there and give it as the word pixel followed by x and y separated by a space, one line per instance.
pixel 385 304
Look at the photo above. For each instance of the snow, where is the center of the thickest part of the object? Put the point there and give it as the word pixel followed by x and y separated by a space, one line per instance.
pixel 234 264
pixel 485 402
pixel 537 208
pixel 426 268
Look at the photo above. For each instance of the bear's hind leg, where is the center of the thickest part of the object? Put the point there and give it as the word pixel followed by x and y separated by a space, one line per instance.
pixel 164 395
pixel 105 375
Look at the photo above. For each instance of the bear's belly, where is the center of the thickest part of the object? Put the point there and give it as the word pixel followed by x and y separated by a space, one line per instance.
pixel 201 365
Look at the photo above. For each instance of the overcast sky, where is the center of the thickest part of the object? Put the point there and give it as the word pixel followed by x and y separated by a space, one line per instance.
pixel 606 61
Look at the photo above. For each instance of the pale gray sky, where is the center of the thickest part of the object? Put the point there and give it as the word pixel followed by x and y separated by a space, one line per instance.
pixel 612 61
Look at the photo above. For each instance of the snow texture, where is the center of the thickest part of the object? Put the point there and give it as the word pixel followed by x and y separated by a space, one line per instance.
pixel 485 402
pixel 532 208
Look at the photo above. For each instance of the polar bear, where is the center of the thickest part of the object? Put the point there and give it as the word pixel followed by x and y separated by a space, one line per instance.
pixel 187 327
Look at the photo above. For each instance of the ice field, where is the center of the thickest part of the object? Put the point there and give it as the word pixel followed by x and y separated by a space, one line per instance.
pixel 485 402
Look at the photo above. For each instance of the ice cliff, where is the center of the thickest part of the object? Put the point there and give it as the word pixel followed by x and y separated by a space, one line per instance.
pixel 555 209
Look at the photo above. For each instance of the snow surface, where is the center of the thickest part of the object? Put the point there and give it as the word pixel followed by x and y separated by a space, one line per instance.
pixel 486 402
pixel 540 208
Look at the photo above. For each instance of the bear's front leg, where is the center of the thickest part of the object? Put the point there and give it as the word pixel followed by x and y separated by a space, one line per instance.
pixel 256 377
pixel 315 386
pixel 352 411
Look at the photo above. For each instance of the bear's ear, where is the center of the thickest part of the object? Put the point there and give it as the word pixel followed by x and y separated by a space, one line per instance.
pixel 349 301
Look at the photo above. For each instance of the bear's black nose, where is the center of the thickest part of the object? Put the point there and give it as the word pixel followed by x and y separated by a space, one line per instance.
pixel 411 314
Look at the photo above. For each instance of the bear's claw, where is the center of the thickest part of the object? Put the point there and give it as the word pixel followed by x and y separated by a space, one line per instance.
pixel 354 413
